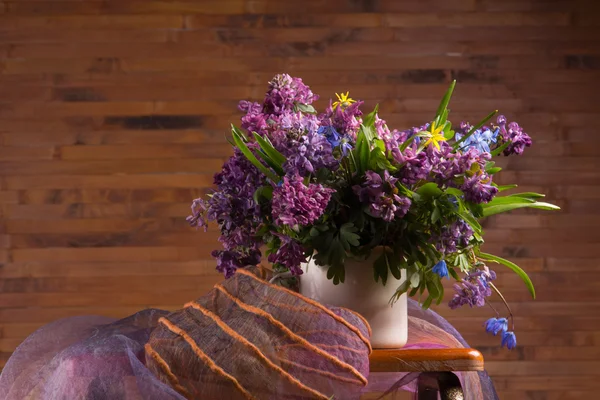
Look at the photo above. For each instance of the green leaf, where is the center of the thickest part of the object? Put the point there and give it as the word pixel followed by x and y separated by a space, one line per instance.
pixel 432 288
pixel 522 274
pixel 369 119
pixel 499 149
pixel 276 167
pixel 445 100
pixel 348 236
pixel 507 200
pixel 263 192
pixel 407 143
pixel 489 210
pixel 415 279
pixel 380 144
pixel 361 152
pixel 427 302
pixel 380 268
pixel 269 150
pixel 306 108
pixel 394 265
pixel 470 219
pixel 435 215
pixel 429 190
pixel 462 261
pixel 528 195
pixel 369 133
pixel 440 288
pixel 239 132
pixel 455 192
pixel 403 288
pixel 252 158
pixel 453 273
pixel 506 187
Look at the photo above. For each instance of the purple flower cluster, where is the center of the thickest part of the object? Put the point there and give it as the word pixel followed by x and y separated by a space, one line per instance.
pixel 513 134
pixel 290 254
pixel 295 204
pixel 451 237
pixel 233 208
pixel 285 92
pixel 228 261
pixel 254 120
pixel 307 155
pixel 473 289
pixel 381 196
pixel 463 170
pixel 345 120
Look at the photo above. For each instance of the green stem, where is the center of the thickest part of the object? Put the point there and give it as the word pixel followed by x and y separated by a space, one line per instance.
pixel 512 317
pixel 493 308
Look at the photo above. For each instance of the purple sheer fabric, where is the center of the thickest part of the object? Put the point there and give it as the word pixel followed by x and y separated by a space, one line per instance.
pixel 92 357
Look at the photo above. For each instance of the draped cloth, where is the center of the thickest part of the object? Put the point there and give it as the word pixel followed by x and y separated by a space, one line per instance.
pixel 245 339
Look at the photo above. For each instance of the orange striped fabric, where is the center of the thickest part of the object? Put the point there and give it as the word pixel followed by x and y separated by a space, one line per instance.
pixel 248 339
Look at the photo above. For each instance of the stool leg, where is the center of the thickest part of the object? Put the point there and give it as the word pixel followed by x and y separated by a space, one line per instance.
pixel 429 384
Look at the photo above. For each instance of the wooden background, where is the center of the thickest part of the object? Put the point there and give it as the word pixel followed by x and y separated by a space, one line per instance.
pixel 113 116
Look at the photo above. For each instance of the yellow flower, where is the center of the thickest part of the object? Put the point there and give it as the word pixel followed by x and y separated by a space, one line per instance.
pixel 343 100
pixel 436 135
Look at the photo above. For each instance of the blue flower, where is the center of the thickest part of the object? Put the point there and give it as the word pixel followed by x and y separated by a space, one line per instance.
pixel 441 269
pixel 480 140
pixel 332 136
pixel 345 146
pixel 509 339
pixel 495 325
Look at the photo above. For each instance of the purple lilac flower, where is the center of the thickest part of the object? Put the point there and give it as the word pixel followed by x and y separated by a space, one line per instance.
pixel 233 208
pixel 285 92
pixel 308 155
pixel 229 261
pixel 346 120
pixel 254 120
pixel 416 166
pixel 297 204
pixel 473 289
pixel 513 134
pixel 290 254
pixel 295 124
pixel 476 184
pixel 380 194
pixel 441 268
pixel 478 188
pixel 198 218
pixel 451 237
pixel 509 340
pixel 495 325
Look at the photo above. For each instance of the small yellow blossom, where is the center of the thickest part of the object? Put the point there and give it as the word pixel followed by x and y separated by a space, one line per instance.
pixel 436 135
pixel 343 100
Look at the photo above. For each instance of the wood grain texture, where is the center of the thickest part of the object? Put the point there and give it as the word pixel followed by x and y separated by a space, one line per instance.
pixel 430 360
pixel 113 116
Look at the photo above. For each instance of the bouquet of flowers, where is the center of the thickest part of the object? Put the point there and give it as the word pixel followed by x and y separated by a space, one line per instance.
pixel 340 183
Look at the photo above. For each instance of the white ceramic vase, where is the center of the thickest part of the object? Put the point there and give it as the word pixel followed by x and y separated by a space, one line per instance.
pixel 360 293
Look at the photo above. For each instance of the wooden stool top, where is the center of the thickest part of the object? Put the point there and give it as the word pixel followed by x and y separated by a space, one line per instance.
pixel 425 360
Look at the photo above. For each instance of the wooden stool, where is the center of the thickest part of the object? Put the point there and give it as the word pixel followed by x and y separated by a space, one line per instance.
pixel 436 368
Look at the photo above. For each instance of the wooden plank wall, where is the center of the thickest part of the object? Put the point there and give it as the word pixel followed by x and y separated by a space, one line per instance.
pixel 113 116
